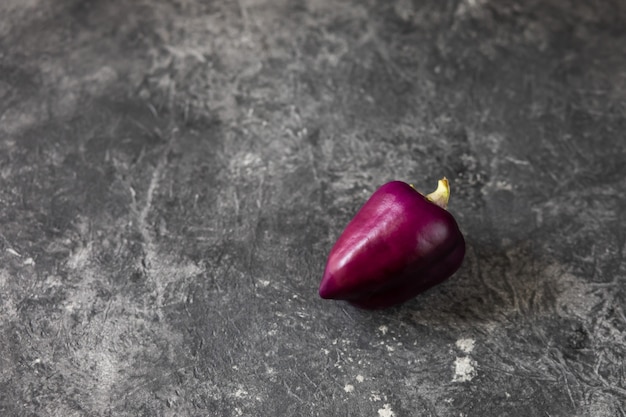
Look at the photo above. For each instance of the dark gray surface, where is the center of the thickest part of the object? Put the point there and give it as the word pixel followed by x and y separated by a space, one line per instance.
pixel 173 174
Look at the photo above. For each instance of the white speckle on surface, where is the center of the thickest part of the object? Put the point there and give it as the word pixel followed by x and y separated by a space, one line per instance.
pixel 325 351
pixel 80 257
pixel 464 369
pixel 348 388
pixel 383 329
pixel 390 348
pixel 466 345
pixel 503 185
pixel 386 411
pixel 374 397
pixel 13 252
pixel 240 393
pixel 467 7
pixel 264 282
pixel 29 261
pixel 360 378
pixel 244 164
pixel 507 395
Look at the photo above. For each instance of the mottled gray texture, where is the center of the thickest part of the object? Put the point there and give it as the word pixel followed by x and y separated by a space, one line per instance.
pixel 173 174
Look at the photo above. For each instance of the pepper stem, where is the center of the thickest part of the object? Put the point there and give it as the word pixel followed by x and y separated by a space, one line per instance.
pixel 441 195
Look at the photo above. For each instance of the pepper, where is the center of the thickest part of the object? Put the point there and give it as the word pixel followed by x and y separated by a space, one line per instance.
pixel 399 244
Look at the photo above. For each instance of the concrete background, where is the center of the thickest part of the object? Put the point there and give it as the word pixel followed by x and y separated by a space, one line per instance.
pixel 173 174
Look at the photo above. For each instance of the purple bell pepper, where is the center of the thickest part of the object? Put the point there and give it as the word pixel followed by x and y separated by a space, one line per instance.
pixel 398 245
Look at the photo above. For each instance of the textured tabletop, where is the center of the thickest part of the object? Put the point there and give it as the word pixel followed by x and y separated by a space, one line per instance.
pixel 173 174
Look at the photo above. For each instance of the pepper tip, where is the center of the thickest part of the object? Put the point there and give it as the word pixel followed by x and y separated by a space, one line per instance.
pixel 327 288
pixel 441 195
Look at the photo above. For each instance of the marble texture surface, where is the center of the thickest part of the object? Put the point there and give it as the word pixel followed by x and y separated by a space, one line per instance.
pixel 174 172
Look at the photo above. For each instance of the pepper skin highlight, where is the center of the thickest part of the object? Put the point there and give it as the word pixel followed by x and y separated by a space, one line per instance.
pixel 398 245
